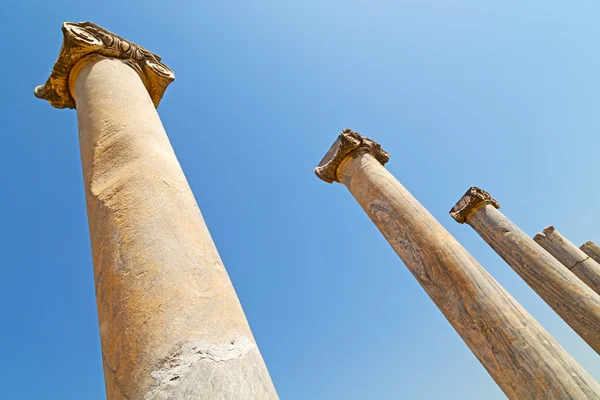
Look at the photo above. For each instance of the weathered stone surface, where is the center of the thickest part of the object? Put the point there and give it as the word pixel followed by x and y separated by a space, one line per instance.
pixel 171 325
pixel 592 250
pixel 85 38
pixel 573 300
pixel 570 256
pixel 525 361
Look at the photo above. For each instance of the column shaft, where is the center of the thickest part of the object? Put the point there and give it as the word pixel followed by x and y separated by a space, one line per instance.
pixel 572 257
pixel 592 250
pixel 171 324
pixel 573 300
pixel 524 360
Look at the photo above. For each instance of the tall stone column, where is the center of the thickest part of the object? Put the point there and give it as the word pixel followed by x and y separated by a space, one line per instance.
pixel 573 300
pixel 524 360
pixel 171 325
pixel 570 256
pixel 592 250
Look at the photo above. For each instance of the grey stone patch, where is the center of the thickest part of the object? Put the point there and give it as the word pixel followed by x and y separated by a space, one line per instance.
pixel 175 367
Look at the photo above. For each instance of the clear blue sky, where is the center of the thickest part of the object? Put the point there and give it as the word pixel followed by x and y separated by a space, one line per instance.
pixel 504 96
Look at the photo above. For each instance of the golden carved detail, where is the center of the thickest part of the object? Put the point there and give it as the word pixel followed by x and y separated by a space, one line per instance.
pixel 85 38
pixel 348 144
pixel 471 200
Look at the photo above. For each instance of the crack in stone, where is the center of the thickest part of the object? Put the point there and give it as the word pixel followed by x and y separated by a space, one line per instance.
pixel 115 380
pixel 579 262
pixel 173 368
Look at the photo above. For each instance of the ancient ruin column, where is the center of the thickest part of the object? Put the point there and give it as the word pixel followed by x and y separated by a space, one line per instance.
pixel 171 325
pixel 525 361
pixel 592 250
pixel 570 256
pixel 573 300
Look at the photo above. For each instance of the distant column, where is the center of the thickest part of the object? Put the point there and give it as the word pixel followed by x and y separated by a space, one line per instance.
pixel 573 300
pixel 524 360
pixel 570 256
pixel 171 325
pixel 592 250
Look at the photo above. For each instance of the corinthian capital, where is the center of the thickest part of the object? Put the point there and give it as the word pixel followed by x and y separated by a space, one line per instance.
pixel 85 38
pixel 471 200
pixel 348 144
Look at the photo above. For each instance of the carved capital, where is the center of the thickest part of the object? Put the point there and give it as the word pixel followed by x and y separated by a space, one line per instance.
pixel 85 38
pixel 545 234
pixel 348 144
pixel 549 230
pixel 587 244
pixel 471 200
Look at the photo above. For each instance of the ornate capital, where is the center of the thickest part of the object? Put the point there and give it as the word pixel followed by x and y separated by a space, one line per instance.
pixel 471 200
pixel 348 144
pixel 84 38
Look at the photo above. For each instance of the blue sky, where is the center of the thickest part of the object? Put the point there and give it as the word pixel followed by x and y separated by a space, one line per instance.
pixel 504 96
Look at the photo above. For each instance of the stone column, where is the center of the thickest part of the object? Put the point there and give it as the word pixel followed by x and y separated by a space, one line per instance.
pixel 573 300
pixel 592 250
pixel 525 361
pixel 570 256
pixel 171 325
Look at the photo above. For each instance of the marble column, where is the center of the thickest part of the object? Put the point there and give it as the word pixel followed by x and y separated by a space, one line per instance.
pixel 171 325
pixel 573 300
pixel 570 256
pixel 592 250
pixel 523 359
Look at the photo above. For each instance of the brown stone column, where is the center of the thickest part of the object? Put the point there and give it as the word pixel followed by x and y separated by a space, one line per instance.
pixel 518 353
pixel 592 250
pixel 573 300
pixel 570 256
pixel 171 325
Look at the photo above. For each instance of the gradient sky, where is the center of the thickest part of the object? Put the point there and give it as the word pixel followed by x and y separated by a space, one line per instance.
pixel 503 96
